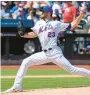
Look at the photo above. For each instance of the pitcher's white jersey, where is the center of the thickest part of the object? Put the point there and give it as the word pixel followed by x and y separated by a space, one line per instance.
pixel 48 32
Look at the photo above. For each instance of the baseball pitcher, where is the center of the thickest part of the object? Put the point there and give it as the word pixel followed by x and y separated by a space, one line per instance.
pixel 47 31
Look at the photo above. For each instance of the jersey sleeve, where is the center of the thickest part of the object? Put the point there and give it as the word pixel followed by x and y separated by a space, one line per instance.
pixel 63 26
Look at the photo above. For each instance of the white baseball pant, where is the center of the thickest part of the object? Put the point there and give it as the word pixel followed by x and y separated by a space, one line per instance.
pixel 41 58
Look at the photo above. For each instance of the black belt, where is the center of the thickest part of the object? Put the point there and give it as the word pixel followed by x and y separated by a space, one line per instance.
pixel 47 49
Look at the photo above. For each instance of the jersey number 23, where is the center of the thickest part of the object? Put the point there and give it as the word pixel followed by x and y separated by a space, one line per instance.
pixel 51 34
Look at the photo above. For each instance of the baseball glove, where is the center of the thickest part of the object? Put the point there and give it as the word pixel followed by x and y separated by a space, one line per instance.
pixel 21 29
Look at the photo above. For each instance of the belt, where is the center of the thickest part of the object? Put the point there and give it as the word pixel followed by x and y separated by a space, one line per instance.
pixel 47 49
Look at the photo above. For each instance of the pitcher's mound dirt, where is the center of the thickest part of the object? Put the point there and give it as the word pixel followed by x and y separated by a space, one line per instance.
pixel 58 91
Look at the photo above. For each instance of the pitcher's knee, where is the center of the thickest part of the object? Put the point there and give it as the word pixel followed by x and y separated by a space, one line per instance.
pixel 73 70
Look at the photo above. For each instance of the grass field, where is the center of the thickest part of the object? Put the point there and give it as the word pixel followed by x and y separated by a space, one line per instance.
pixel 34 72
pixel 36 83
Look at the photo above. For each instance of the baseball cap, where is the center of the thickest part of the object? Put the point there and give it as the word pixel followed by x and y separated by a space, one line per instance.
pixel 47 9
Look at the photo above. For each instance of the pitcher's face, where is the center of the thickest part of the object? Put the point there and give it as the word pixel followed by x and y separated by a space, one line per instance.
pixel 46 14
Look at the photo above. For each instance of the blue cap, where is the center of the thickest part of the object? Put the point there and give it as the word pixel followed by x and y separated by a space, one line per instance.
pixel 47 9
